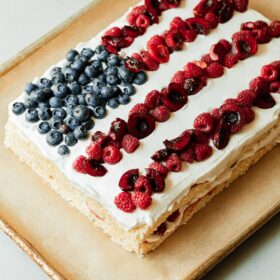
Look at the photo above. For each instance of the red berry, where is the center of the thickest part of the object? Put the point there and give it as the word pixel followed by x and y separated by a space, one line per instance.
pixel 249 114
pixel 143 185
pixel 177 24
pixel 155 41
pixel 78 164
pixel 131 18
pixel 130 143
pixel 275 87
pixel 194 85
pixel 246 98
pixel 114 32
pixel 131 31
pixel 139 108
pixel 111 155
pixel 270 73
pixel 174 216
pixel 128 179
pixel 178 143
pixel 94 151
pixel 207 59
pixel 168 4
pixel 188 154
pixel 264 100
pixel 159 168
pixel 274 29
pixel 139 10
pixel 161 229
pixel 192 70
pixel 229 60
pixel 215 70
pixel 174 163
pixel 189 35
pixel 179 78
pixel 204 7
pixel 100 138
pixel 161 113
pixel 124 202
pixel 142 21
pixel 133 64
pixel 226 44
pixel 212 19
pixel 259 84
pixel 200 63
pixel 158 51
pixel 161 155
pixel 94 168
pixel 156 180
pixel 218 52
pixel 118 129
pixel 215 113
pixel 204 123
pixel 240 5
pixel 221 135
pixel 152 99
pixel 149 63
pixel 202 151
pixel 199 25
pixel 174 40
pixel 141 200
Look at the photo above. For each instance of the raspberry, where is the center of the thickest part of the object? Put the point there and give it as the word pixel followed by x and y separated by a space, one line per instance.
pixel 188 154
pixel 141 200
pixel 212 19
pixel 246 98
pixel 274 29
pixel 215 70
pixel 174 216
pixel 139 10
pixel 78 164
pixel 94 151
pixel 128 179
pixel 149 63
pixel 111 155
pixel 94 168
pixel 115 143
pixel 204 123
pixel 275 87
pixel 229 60
pixel 204 7
pixel 217 52
pixel 202 151
pixel 161 113
pixel 207 59
pixel 100 138
pixel 178 143
pixel 276 64
pixel 118 129
pixel 226 44
pixel 114 32
pixel 161 155
pixel 270 73
pixel 179 78
pixel 124 202
pixel 155 41
pixel 156 180
pixel 152 99
pixel 215 113
pixel 131 18
pixel 249 114
pixel 174 40
pixel 192 70
pixel 240 5
pixel 159 168
pixel 259 84
pixel 159 53
pixel 177 23
pixel 142 21
pixel 130 143
pixel 131 31
pixel 198 137
pixel 174 163
pixel 133 64
pixel 199 25
pixel 139 108
pixel 189 35
pixel 143 185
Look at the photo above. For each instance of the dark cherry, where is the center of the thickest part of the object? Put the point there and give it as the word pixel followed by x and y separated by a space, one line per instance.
pixel 128 179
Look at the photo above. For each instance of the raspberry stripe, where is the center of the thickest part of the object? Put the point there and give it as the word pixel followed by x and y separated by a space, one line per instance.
pixel 197 144
pixel 138 20
pixel 159 105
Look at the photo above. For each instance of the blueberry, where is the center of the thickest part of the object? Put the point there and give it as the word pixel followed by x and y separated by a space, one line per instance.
pixel 60 90
pixel 82 99
pixel 44 105
pixel 70 139
pixel 107 92
pixel 55 70
pixel 59 113
pixel 122 62
pixel 100 49
pixel 140 78
pixel 102 79
pixel 90 71
pixel 54 138
pixel 43 127
pixel 63 128
pixel 72 122
pixel 30 104
pixel 87 52
pixel 56 102
pixel 57 78
pixel 89 124
pixel 31 115
pixel 112 79
pixel 117 90
pixel 55 123
pixel 113 59
pixel 63 150
pixel 18 108
pixel 78 65
pixel 71 55
pixel 69 109
pixel 113 103
pixel 123 98
pixel 87 89
pixel 71 100
pixel 29 87
pixel 111 70
pixel 125 75
pixel 83 79
pixel 92 100
pixel 41 95
pixel 103 55
pixel 80 132
pixel 74 88
pixel 84 59
pixel 70 74
pixel 81 112
pixel 44 114
pixel 97 65
pixel 129 89
pixel 99 112
pixel 45 83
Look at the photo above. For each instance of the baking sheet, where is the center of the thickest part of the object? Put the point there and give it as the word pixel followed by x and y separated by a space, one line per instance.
pixel 67 244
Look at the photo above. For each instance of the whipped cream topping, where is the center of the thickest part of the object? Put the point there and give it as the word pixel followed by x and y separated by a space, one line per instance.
pixel 104 189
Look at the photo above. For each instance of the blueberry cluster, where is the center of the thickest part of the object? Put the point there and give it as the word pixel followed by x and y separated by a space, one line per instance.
pixel 66 104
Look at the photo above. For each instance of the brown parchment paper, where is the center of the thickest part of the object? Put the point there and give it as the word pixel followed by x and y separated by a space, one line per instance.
pixel 70 244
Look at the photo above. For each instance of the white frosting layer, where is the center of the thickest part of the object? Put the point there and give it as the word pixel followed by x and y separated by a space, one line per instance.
pixel 104 189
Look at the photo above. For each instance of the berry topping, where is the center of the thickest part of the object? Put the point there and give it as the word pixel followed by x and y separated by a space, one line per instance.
pixel 161 229
pixel 63 150
pixel 94 151
pixel 149 63
pixel 174 97
pixel 161 155
pixel 221 135
pixel 217 52
pixel 240 5
pixel 124 202
pixel 174 216
pixel 204 123
pixel 128 179
pixel 78 164
pixel 142 21
pixel 192 70
pixel 159 168
pixel 133 64
pixel 118 129
pixel 161 113
pixel 270 73
pixel 230 60
pixel 215 70
pixel 246 98
pixel 54 138
pixel 141 200
pixel 152 99
pixel 100 138
pixel 111 154
pixel 18 108
pixel 199 25
pixel 174 163
pixel 274 29
pixel 130 143
pixel 263 100
pixel 174 40
pixel 249 114
pixel 139 108
pixel 159 53
pixel 179 143
pixel 94 168
pixel 141 125
pixel 202 151
pixel 204 7
pixel 188 154
pixel 156 180
pixel 143 185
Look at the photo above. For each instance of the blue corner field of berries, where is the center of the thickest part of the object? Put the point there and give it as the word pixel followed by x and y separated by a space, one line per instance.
pixel 66 105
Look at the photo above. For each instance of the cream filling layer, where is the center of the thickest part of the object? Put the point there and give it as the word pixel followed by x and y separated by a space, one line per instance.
pixel 104 189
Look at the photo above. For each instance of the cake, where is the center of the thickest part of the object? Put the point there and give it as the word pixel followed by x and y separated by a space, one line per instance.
pixel 140 127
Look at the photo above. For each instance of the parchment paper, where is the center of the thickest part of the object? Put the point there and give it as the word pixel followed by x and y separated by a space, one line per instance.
pixel 72 245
